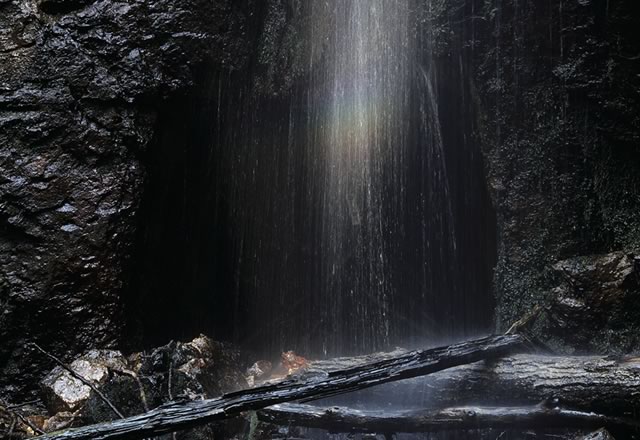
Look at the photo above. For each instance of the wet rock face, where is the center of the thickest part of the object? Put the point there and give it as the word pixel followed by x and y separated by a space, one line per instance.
pixel 596 306
pixel 555 89
pixel 556 110
pixel 81 82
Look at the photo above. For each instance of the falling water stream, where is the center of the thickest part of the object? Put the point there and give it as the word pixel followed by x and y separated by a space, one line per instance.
pixel 343 215
pixel 341 232
pixel 361 129
pixel 340 211
pixel 338 197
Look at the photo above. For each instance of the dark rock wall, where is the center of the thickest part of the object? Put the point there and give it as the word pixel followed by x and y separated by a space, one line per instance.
pixel 81 83
pixel 556 86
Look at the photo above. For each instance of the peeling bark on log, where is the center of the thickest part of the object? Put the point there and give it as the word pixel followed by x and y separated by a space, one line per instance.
pixel 601 434
pixel 587 383
pixel 346 420
pixel 178 416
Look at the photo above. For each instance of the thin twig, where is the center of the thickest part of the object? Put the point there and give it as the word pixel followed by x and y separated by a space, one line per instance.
pixel 28 423
pixel 525 321
pixel 20 405
pixel 12 427
pixel 169 381
pixel 173 434
pixel 143 395
pixel 11 411
pixel 81 379
pixel 134 376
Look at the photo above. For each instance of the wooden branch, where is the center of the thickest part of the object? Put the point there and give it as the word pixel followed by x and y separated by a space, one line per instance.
pixel 23 404
pixel 346 420
pixel 525 321
pixel 81 379
pixel 178 416
pixel 14 422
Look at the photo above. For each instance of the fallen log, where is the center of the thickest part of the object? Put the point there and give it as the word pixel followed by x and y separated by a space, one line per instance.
pixel 178 416
pixel 348 420
pixel 588 383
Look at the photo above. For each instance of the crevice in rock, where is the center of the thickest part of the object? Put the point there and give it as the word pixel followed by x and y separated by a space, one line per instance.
pixel 61 7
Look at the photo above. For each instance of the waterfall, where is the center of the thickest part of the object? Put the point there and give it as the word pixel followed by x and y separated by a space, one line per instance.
pixel 337 197
pixel 330 197
pixel 362 117
pixel 333 206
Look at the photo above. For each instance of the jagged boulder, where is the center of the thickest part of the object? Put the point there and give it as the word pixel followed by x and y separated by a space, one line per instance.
pixel 595 306
pixel 64 393
pixel 258 371
pixel 200 368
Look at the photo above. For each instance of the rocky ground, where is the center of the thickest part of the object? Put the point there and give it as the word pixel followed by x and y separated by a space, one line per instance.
pixel 104 385
pixel 130 385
